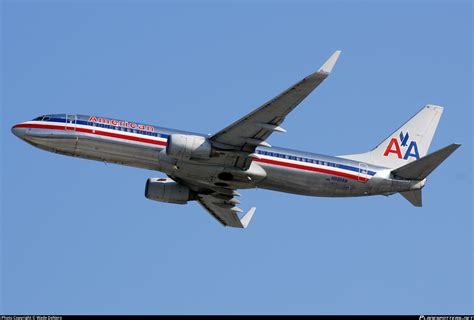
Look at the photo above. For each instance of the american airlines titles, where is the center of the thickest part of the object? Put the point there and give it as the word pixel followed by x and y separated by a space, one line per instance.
pixel 126 124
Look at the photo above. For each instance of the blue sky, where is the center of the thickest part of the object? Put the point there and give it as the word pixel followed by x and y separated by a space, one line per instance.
pixel 79 236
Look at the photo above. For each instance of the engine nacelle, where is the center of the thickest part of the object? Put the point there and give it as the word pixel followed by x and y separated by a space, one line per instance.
pixel 166 190
pixel 185 147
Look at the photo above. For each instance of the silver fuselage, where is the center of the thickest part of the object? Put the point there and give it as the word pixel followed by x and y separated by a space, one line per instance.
pixel 143 146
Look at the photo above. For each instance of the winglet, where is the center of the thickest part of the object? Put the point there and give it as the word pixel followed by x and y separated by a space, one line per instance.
pixel 248 216
pixel 329 64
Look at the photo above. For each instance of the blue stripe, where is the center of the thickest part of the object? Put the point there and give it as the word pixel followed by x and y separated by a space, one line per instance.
pixel 319 162
pixel 107 126
pixel 165 136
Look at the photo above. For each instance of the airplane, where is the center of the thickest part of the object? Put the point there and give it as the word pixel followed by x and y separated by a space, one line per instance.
pixel 210 169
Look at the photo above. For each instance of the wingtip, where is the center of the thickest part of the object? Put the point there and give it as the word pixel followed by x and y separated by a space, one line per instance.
pixel 330 63
pixel 455 146
pixel 247 217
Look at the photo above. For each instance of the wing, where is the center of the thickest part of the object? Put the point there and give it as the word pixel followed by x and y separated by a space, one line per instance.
pixel 223 208
pixel 252 130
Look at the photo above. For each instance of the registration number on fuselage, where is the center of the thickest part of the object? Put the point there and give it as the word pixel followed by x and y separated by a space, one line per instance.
pixel 339 179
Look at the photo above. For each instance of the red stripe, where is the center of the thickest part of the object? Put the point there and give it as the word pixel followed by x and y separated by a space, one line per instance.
pixel 163 143
pixel 97 132
pixel 308 168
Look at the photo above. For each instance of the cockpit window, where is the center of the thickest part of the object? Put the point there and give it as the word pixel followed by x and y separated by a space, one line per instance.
pixel 50 117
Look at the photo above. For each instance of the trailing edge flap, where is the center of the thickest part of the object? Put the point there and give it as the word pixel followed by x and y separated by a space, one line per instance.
pixel 420 169
pixel 413 196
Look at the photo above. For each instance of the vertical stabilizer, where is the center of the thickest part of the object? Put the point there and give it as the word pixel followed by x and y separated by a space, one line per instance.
pixel 420 169
pixel 413 196
pixel 408 143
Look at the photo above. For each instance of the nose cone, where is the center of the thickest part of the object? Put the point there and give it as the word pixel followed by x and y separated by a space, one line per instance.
pixel 18 131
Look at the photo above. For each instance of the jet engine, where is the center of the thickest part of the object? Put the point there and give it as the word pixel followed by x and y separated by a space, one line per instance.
pixel 166 190
pixel 185 147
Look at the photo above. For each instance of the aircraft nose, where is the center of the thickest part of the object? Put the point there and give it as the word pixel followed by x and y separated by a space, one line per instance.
pixel 18 131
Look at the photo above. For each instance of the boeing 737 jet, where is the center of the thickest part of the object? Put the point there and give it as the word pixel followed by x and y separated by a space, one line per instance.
pixel 210 168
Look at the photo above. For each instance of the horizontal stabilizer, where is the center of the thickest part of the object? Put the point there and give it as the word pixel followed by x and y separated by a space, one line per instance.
pixel 420 169
pixel 414 196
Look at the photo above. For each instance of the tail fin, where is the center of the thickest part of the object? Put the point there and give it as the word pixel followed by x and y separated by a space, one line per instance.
pixel 414 196
pixel 420 169
pixel 408 143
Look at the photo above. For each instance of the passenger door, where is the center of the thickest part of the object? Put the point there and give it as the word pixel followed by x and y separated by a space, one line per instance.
pixel 363 172
pixel 71 122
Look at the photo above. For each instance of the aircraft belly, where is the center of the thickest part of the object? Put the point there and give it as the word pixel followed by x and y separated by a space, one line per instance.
pixel 309 183
pixel 296 181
